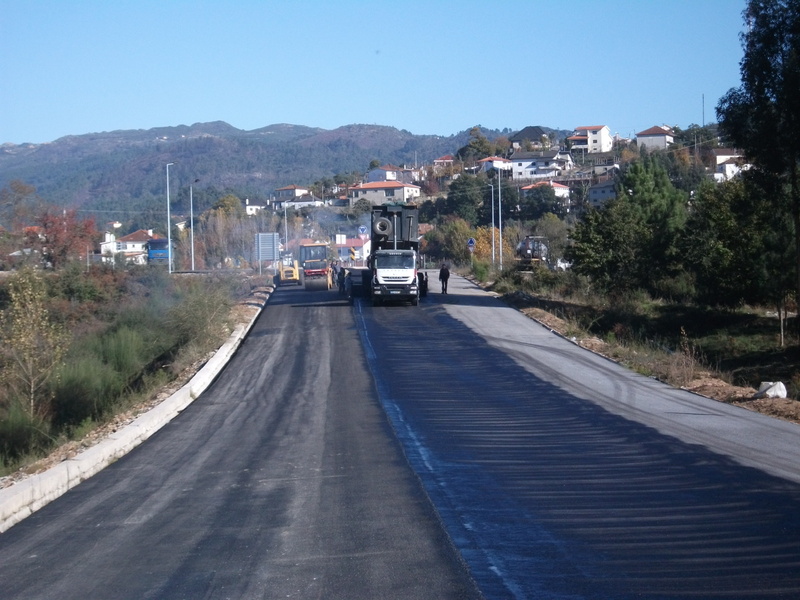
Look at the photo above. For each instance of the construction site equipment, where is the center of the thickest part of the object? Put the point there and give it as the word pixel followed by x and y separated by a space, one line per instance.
pixel 531 251
pixel 393 261
pixel 315 268
pixel 289 272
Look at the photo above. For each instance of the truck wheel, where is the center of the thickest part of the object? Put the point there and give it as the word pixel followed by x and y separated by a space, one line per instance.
pixel 415 301
pixel 382 226
pixel 376 301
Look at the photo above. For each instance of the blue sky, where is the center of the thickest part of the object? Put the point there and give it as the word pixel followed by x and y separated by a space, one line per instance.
pixel 430 67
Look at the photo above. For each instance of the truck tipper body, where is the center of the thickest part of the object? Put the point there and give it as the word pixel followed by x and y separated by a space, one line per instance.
pixel 393 259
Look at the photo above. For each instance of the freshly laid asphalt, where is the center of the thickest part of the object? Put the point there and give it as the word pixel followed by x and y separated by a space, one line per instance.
pixel 283 480
pixel 451 450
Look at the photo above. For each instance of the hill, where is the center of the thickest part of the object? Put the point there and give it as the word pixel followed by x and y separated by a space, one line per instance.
pixel 116 173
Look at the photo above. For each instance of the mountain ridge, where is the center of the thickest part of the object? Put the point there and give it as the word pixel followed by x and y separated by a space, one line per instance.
pixel 124 170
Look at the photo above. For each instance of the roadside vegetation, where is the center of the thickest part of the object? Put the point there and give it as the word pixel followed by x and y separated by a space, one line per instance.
pixel 673 342
pixel 78 346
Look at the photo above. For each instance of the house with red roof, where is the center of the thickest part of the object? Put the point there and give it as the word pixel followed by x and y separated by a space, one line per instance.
pixel 133 247
pixel 495 163
pixel 384 192
pixel 591 139
pixel 561 190
pixel 658 137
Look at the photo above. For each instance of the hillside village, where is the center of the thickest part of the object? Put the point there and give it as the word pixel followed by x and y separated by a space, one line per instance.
pixel 589 159
pixel 579 167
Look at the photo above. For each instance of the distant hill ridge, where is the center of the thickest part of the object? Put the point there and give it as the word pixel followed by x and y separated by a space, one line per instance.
pixel 125 169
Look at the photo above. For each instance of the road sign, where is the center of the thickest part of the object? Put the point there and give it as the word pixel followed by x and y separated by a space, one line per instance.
pixel 362 229
pixel 471 243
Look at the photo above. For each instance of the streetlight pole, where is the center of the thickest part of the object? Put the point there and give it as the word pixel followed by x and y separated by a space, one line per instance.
pixel 285 229
pixel 191 221
pixel 169 229
pixel 500 215
pixel 493 252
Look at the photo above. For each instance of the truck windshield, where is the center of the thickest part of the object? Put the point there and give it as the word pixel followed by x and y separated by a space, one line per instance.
pixel 394 261
pixel 313 253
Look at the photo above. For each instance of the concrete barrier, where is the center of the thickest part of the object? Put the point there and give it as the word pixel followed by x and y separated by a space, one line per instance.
pixel 25 497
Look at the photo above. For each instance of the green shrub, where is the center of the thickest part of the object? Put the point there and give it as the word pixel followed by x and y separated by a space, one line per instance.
pixel 86 389
pixel 480 269
pixel 20 435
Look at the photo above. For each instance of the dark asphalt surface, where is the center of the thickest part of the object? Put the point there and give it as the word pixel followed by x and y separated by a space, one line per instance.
pixel 555 473
pixel 561 475
pixel 283 480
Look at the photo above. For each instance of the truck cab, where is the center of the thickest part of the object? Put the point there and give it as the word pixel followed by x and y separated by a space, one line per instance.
pixel 393 262
pixel 395 276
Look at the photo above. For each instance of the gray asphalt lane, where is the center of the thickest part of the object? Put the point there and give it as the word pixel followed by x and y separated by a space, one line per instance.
pixel 283 480
pixel 561 475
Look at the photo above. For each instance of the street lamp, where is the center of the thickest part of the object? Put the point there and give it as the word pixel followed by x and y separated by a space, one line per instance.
pixel 191 220
pixel 169 229
pixel 500 215
pixel 492 186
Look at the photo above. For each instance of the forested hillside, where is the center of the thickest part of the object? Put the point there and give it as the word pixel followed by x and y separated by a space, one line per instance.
pixel 120 173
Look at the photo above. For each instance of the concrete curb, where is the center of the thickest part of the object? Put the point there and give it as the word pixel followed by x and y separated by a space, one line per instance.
pixel 25 497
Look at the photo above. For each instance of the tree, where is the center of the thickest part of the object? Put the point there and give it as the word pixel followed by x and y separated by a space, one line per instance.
pixel 477 148
pixel 723 243
pixel 62 236
pixel 634 241
pixel 661 209
pixel 762 116
pixel 555 230
pixel 465 197
pixel 538 201
pixel 33 345
pixel 606 246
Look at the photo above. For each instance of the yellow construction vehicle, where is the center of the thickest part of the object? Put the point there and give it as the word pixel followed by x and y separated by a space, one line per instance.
pixel 289 272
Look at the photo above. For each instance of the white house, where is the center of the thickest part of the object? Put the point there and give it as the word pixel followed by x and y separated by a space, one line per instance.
pixel 354 251
pixel 252 209
pixel 304 201
pixel 291 191
pixel 729 163
pixel 382 192
pixel 560 190
pixel 495 163
pixel 545 164
pixel 591 139
pixel 392 173
pixel 443 162
pixel 655 138
pixel 132 246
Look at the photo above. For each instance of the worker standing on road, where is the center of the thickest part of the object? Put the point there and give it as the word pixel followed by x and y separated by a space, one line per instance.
pixel 444 275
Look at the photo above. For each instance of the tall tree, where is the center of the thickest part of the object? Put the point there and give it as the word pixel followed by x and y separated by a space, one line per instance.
pixel 723 242
pixel 762 116
pixel 633 241
pixel 662 210
pixel 33 345
pixel 465 197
